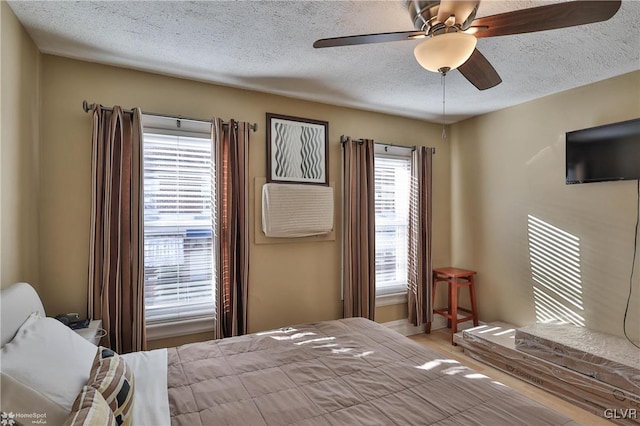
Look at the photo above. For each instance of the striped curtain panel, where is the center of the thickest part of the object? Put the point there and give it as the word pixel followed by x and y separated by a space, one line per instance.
pixel 231 224
pixel 116 284
pixel 420 265
pixel 358 233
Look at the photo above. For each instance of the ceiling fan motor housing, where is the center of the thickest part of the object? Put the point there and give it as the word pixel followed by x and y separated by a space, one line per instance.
pixel 424 15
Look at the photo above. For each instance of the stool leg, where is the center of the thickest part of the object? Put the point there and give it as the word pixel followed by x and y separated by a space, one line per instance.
pixel 449 284
pixel 453 306
pixel 474 306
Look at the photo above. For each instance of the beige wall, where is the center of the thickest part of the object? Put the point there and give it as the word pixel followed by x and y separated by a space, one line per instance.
pixel 509 165
pixel 19 171
pixel 289 283
pixel 392 312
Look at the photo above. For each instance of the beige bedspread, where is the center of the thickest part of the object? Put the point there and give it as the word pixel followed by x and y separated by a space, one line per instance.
pixel 342 372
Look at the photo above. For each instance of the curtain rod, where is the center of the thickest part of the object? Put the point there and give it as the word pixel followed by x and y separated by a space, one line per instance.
pixel 343 140
pixel 86 106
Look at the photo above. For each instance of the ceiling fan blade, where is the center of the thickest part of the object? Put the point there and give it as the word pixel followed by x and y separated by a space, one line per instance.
pixel 479 71
pixel 368 38
pixel 461 9
pixel 549 17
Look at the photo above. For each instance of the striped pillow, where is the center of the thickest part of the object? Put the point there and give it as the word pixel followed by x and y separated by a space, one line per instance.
pixel 90 409
pixel 114 379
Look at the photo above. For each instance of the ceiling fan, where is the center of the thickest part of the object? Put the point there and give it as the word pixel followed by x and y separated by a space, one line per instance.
pixel 451 30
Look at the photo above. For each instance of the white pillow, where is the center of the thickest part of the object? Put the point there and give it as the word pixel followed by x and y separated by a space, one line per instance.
pixel 50 362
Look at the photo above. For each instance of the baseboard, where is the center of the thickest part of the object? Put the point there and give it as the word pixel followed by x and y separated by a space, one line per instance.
pixel 405 328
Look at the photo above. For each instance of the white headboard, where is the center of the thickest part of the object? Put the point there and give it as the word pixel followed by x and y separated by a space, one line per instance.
pixel 17 302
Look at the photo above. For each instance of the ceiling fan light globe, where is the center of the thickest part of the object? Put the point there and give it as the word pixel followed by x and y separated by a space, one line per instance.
pixel 448 50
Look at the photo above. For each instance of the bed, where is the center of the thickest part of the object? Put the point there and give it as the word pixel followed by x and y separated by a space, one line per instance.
pixel 341 372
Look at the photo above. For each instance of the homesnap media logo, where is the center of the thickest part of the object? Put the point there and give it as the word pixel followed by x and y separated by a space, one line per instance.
pixel 7 419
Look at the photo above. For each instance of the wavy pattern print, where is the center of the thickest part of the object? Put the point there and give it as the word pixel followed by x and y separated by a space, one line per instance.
pixel 287 150
pixel 311 166
pixel 298 152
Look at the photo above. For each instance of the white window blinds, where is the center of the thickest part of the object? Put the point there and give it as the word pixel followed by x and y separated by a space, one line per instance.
pixel 178 227
pixel 392 178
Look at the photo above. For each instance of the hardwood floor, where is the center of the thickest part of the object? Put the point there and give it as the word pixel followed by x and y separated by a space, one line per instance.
pixel 440 340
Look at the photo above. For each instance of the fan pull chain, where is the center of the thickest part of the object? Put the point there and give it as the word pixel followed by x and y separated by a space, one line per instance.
pixel 442 81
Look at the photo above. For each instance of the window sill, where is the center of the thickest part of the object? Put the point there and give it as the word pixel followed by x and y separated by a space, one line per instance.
pixel 179 328
pixel 391 299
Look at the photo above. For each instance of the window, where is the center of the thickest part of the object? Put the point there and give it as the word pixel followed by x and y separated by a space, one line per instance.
pixel 178 229
pixel 392 179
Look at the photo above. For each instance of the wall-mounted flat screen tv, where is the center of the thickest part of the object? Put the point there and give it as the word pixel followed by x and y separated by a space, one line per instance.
pixel 603 153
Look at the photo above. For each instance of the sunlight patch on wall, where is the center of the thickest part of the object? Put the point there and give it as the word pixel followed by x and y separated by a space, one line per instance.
pixel 554 258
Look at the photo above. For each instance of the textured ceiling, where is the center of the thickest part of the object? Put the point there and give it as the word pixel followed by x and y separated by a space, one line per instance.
pixel 267 46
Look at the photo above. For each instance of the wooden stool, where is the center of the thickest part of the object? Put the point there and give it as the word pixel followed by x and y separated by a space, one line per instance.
pixel 456 278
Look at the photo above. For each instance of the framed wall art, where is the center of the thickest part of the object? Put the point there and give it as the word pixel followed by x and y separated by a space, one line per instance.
pixel 297 150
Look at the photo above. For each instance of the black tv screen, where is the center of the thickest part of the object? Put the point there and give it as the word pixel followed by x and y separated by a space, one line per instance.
pixel 610 152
